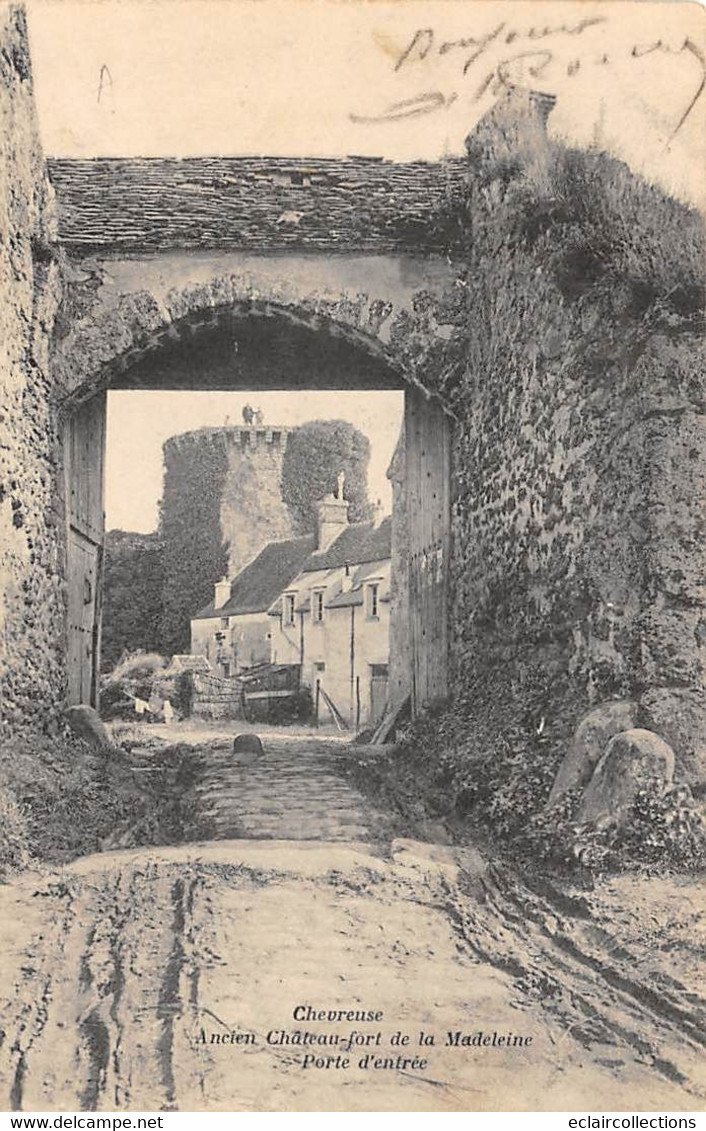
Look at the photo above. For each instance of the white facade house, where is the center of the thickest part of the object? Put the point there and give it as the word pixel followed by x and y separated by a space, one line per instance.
pixel 233 631
pixel 334 618
pixel 321 603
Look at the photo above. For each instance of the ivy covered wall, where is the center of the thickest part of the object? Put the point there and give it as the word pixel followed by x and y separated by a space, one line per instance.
pixel 195 554
pixel 571 351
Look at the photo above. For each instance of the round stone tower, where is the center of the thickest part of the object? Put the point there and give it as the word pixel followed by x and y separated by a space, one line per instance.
pixel 251 509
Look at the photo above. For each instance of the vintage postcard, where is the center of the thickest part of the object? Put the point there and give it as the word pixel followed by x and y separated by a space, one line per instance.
pixel 352 481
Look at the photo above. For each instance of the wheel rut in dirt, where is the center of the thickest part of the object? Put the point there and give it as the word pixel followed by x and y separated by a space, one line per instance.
pixel 153 950
pixel 593 989
pixel 124 964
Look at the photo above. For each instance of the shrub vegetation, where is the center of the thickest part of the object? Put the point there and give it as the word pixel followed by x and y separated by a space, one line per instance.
pixel 132 594
pixel 59 800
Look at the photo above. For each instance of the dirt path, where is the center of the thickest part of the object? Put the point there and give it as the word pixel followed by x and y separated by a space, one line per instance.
pixel 168 979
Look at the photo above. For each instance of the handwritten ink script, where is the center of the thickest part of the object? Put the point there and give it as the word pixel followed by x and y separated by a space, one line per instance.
pixel 538 56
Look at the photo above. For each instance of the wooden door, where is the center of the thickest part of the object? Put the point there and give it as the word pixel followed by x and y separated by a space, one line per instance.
pixel 379 679
pixel 84 440
pixel 428 470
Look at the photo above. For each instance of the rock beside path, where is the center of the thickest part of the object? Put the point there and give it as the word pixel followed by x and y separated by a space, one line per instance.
pixel 588 745
pixel 631 761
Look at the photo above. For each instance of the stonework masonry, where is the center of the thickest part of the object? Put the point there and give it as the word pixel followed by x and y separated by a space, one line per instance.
pixel 400 645
pixel 32 674
pixel 580 476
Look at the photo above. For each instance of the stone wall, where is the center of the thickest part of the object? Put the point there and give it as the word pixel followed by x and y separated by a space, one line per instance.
pixel 216 698
pixel 242 643
pixel 580 455
pixel 552 521
pixel 252 511
pixel 579 546
pixel 250 502
pixel 31 514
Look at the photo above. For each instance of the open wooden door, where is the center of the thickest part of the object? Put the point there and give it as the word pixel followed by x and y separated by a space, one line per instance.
pixel 428 470
pixel 84 454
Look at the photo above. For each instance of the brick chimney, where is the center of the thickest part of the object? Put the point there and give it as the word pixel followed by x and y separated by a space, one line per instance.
pixel 332 516
pixel 222 593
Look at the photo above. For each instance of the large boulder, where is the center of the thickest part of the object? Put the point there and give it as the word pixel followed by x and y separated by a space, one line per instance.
pixel 632 759
pixel 88 725
pixel 591 737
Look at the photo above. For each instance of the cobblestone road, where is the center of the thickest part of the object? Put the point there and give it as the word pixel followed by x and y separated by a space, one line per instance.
pixel 294 792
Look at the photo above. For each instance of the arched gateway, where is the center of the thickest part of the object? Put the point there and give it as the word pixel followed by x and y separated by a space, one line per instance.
pixel 279 324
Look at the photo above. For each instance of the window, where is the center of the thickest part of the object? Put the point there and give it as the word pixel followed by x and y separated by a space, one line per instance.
pixel 319 666
pixel 289 608
pixel 317 606
pixel 373 601
pixel 224 622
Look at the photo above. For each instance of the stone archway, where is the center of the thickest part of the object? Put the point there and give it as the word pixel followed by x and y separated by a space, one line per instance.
pixel 123 344
pixel 114 336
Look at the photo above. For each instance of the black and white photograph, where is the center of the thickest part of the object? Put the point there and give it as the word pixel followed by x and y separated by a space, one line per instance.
pixel 352 558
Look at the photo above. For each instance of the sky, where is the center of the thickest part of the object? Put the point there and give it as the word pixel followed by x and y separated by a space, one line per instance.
pixel 140 422
pixel 318 77
pixel 404 80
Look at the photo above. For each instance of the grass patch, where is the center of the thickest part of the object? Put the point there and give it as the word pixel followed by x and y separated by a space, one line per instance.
pixel 59 799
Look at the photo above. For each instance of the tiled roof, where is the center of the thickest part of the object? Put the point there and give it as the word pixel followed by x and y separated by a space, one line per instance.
pixel 256 203
pixel 343 599
pixel 259 585
pixel 363 542
pixel 261 582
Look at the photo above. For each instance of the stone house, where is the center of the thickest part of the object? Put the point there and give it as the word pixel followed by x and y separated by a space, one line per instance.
pixel 320 603
pixel 233 630
pixel 333 617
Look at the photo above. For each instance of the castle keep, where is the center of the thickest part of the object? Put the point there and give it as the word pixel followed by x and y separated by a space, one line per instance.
pixel 251 509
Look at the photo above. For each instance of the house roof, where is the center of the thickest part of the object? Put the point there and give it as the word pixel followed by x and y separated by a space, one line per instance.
pixel 261 582
pixel 371 571
pixel 362 542
pixel 257 588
